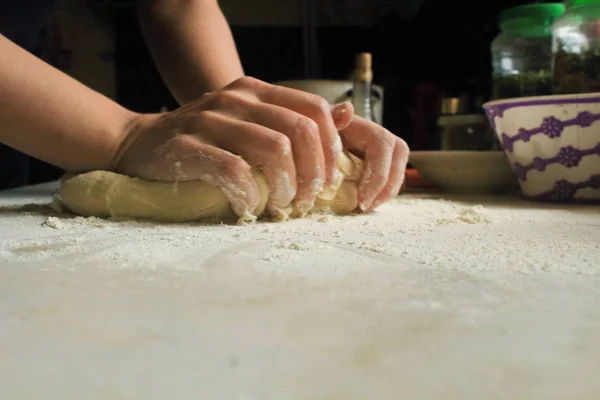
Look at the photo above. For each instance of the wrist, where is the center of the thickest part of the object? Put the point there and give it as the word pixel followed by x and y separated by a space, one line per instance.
pixel 99 145
pixel 131 131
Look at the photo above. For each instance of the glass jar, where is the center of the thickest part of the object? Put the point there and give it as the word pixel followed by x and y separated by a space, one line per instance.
pixel 522 52
pixel 466 132
pixel 576 48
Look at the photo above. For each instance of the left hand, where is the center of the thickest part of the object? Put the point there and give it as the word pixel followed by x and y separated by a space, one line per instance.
pixel 385 157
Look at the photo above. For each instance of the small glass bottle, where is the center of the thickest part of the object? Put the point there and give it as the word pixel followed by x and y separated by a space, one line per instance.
pixel 576 47
pixel 362 86
pixel 522 52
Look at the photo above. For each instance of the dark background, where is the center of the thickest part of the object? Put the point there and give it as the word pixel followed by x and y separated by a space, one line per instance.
pixel 421 49
pixel 446 43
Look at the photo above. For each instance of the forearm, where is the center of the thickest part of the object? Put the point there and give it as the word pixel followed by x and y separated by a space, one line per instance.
pixel 48 115
pixel 191 44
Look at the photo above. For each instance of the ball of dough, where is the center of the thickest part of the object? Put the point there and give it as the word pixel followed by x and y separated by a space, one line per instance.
pixel 107 194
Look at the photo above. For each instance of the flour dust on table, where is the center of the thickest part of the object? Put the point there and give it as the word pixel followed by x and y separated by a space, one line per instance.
pixel 465 234
pixel 427 298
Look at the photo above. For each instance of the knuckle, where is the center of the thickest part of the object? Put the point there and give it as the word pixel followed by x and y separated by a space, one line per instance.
pixel 204 116
pixel 309 128
pixel 235 167
pixel 402 146
pixel 378 176
pixel 279 145
pixel 270 93
pixel 385 142
pixel 182 143
pixel 250 82
pixel 224 99
pixel 238 83
pixel 247 80
pixel 200 120
pixel 319 105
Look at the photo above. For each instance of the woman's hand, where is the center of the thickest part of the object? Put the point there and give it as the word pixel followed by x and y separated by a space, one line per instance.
pixel 292 136
pixel 385 155
pixel 289 135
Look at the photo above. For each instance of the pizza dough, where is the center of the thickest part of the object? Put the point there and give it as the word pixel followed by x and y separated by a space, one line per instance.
pixel 108 194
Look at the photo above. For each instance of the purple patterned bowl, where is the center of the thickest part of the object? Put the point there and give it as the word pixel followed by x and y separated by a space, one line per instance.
pixel 552 144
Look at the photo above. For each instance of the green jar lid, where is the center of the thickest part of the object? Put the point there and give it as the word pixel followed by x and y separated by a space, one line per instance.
pixel 532 19
pixel 574 3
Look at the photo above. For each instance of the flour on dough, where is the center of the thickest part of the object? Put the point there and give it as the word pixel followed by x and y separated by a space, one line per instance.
pixel 108 194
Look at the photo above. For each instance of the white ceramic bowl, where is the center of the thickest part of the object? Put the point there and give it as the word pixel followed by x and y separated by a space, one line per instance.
pixel 552 143
pixel 465 171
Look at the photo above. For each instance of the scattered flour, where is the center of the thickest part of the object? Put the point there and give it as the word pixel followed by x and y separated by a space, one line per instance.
pixel 468 215
pixel 53 222
pixel 90 222
pixel 85 222
pixel 429 232
pixel 293 246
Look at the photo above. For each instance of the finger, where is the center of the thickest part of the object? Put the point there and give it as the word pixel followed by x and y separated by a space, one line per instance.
pixel 307 104
pixel 262 147
pixel 193 160
pixel 317 109
pixel 342 114
pixel 377 145
pixel 397 172
pixel 303 133
pixel 307 151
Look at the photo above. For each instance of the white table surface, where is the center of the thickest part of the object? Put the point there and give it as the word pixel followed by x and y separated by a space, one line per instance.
pixel 394 305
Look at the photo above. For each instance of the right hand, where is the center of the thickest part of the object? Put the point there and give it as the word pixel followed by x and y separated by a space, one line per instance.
pixel 289 135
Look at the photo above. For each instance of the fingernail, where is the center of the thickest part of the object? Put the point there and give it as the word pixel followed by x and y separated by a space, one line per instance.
pixel 337 110
pixel 303 207
pixel 328 192
pixel 317 186
pixel 366 197
pixel 246 219
pixel 362 207
pixel 375 205
pixel 280 214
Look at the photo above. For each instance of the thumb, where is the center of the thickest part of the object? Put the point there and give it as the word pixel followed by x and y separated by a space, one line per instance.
pixel 342 114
